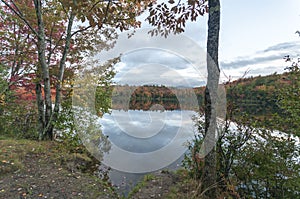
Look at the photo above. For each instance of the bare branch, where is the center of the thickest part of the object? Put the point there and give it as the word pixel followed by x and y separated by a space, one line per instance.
pixel 106 11
pixel 81 30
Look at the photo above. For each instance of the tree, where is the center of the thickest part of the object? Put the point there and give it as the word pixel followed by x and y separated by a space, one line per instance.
pixel 84 26
pixel 252 161
pixel 173 20
pixel 211 95
pixel 289 101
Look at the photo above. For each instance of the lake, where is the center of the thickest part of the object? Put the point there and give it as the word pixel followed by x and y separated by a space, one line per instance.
pixel 144 141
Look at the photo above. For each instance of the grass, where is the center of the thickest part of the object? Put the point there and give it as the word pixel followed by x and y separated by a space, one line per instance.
pixel 13 152
pixel 17 156
pixel 140 185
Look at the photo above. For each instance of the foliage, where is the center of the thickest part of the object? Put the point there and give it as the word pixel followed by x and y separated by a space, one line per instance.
pixel 67 129
pixel 289 100
pixel 171 17
pixel 20 119
pixel 54 37
pixel 268 167
pixel 192 161
pixel 17 115
pixel 252 162
pixel 104 89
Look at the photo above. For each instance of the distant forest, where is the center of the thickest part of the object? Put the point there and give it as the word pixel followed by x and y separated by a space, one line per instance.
pixel 255 97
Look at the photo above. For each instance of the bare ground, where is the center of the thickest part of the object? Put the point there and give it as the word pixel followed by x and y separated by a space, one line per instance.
pixel 31 169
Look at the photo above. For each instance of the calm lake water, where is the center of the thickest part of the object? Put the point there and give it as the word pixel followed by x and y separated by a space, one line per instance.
pixel 144 142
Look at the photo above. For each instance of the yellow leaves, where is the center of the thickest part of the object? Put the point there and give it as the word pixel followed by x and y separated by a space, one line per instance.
pixel 2 99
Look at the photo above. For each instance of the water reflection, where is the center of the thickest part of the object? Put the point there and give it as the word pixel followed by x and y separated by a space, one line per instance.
pixel 151 139
pixel 145 131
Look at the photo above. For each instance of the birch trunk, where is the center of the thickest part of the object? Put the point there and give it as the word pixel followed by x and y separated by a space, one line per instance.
pixel 62 68
pixel 48 127
pixel 209 171
pixel 41 109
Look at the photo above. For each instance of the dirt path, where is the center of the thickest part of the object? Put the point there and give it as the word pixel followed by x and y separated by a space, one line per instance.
pixel 30 170
pixel 39 175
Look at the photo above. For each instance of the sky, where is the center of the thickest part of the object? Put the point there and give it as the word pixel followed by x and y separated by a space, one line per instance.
pixel 254 36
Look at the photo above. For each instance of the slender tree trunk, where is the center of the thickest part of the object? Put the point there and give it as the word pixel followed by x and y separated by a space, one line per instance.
pixel 48 127
pixel 62 68
pixel 41 109
pixel 209 172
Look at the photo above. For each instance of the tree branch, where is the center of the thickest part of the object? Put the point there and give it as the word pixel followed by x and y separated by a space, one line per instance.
pixel 20 15
pixel 80 30
pixel 93 6
pixel 106 12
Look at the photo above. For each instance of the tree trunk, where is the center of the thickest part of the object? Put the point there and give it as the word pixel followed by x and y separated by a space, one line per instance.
pixel 209 171
pixel 41 109
pixel 48 127
pixel 62 67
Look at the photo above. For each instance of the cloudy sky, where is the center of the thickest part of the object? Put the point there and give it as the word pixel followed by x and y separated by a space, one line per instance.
pixel 254 37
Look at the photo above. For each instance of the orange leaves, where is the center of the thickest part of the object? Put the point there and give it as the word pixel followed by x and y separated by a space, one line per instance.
pixel 116 14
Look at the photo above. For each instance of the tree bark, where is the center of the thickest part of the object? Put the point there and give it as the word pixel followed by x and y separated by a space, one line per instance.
pixel 48 127
pixel 209 178
pixel 41 109
pixel 62 68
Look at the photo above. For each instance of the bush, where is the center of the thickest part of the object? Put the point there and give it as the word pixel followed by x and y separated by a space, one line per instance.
pixel 251 162
pixel 19 119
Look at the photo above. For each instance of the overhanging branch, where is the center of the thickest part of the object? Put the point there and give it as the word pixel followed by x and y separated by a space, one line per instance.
pixel 20 15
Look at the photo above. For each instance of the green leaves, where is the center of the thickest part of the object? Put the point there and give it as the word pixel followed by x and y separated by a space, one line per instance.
pixel 289 100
